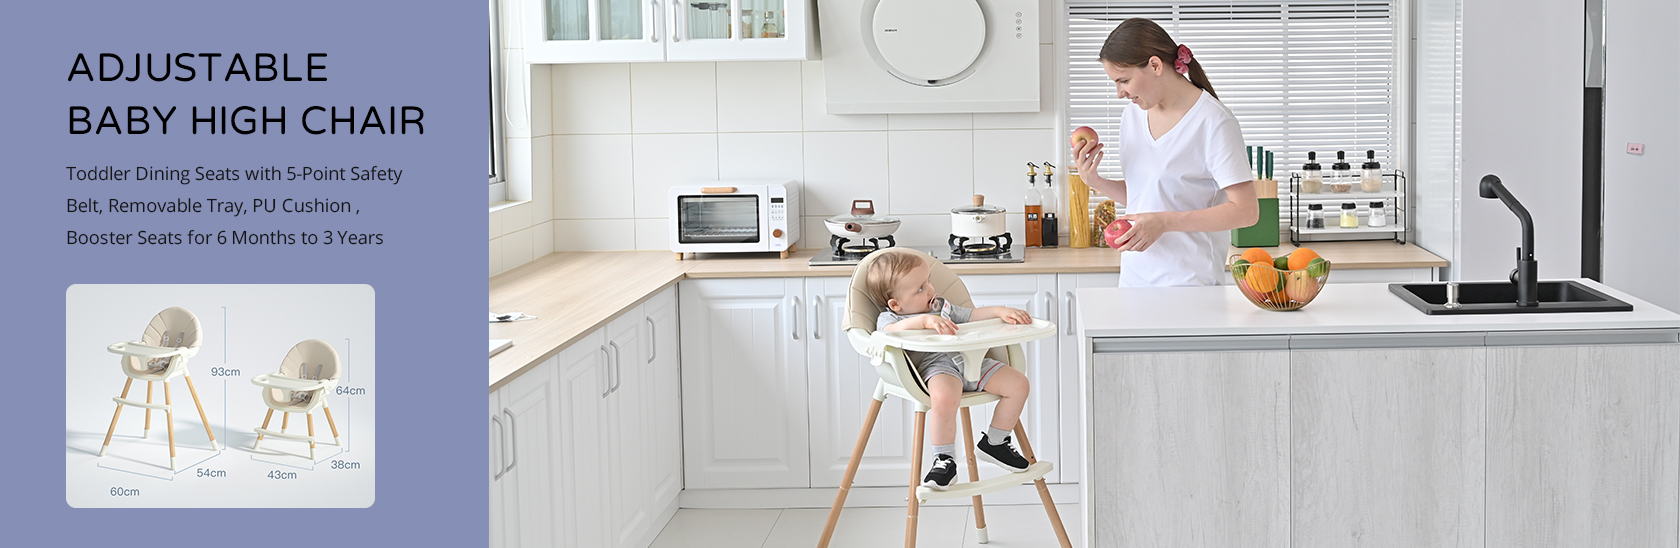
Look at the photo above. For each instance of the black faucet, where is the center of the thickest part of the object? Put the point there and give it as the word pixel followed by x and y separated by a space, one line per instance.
pixel 1527 274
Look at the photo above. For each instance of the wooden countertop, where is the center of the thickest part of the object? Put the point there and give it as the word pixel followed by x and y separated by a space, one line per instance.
pixel 1357 255
pixel 574 294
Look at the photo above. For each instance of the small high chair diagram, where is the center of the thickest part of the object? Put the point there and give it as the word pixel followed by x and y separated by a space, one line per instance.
pixel 161 354
pixel 308 372
pixel 899 378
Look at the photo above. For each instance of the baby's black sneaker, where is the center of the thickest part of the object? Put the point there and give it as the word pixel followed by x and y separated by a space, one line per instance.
pixel 1002 454
pixel 939 477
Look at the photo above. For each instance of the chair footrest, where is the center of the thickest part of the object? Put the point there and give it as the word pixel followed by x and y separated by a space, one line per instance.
pixel 281 435
pixel 125 401
pixel 968 489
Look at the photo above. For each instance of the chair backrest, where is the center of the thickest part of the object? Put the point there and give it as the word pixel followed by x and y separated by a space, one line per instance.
pixel 181 327
pixel 304 360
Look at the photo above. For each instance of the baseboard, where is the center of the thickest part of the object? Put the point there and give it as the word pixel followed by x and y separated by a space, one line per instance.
pixel 660 520
pixel 859 497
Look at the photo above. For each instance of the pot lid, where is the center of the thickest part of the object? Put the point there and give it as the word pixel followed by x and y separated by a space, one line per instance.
pixel 979 207
pixel 866 220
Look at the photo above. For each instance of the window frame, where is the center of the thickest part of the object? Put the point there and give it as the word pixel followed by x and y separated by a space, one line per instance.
pixel 498 115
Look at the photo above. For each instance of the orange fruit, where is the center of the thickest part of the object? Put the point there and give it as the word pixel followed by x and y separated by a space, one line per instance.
pixel 1301 258
pixel 1257 256
pixel 1263 278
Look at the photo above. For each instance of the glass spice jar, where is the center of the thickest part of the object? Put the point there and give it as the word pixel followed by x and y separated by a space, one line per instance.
pixel 1350 215
pixel 1370 177
pixel 1312 176
pixel 1315 215
pixel 1379 216
pixel 1342 177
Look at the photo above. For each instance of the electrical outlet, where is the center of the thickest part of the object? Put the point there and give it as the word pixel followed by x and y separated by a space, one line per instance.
pixel 1636 148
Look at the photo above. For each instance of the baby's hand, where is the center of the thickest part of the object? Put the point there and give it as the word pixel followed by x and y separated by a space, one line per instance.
pixel 1015 316
pixel 940 324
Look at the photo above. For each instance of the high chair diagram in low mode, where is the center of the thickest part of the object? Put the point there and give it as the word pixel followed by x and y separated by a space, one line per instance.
pixel 161 354
pixel 311 369
pixel 900 378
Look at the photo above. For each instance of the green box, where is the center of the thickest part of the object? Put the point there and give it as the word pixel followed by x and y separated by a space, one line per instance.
pixel 1265 232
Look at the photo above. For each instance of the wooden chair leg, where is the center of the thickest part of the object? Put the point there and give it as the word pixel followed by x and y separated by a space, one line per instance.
pixel 284 418
pixel 974 475
pixel 114 417
pixel 845 482
pixel 147 433
pixel 1043 490
pixel 266 418
pixel 169 418
pixel 309 418
pixel 201 418
pixel 915 481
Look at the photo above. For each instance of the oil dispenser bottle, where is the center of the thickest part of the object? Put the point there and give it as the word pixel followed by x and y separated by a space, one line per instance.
pixel 1034 208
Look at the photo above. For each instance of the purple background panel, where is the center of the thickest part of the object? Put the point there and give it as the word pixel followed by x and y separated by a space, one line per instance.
pixel 427 276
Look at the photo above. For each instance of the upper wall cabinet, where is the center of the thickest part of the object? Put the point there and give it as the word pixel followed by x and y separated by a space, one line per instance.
pixel 617 31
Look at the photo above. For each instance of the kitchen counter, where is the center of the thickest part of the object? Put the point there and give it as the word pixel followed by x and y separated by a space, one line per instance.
pixel 1357 255
pixel 1340 308
pixel 573 294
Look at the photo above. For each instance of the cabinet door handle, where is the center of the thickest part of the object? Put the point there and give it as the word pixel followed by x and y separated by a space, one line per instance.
pixel 656 14
pixel 794 317
pixel 617 367
pixel 607 367
pixel 1069 308
pixel 816 316
pixel 1049 304
pixel 513 440
pixel 653 339
pixel 501 428
pixel 679 20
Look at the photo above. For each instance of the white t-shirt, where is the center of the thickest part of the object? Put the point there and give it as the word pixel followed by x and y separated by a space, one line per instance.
pixel 1187 169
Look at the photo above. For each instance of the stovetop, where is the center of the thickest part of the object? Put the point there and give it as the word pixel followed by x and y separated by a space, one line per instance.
pixel 828 257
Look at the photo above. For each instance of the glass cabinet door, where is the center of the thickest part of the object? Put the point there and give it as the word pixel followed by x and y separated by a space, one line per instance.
pixel 568 19
pixel 763 19
pixel 621 19
pixel 707 20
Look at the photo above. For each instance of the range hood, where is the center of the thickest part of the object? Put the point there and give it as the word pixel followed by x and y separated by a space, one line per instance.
pixel 930 56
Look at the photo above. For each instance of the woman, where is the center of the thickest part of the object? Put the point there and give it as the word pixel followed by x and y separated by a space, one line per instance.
pixel 1180 148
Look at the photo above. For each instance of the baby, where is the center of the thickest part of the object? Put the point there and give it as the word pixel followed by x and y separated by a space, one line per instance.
pixel 901 281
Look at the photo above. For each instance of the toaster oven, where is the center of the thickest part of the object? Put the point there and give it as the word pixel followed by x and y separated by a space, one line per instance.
pixel 727 217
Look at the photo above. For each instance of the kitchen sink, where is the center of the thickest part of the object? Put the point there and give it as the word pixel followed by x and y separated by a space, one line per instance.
pixel 1501 298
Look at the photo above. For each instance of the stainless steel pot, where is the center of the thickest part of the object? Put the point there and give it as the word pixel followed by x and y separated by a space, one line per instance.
pixel 978 220
pixel 862 223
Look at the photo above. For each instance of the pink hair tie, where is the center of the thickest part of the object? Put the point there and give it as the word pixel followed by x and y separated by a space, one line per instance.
pixel 1182 65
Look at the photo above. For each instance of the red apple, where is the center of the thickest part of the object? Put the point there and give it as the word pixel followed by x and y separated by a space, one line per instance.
pixel 1084 133
pixel 1112 233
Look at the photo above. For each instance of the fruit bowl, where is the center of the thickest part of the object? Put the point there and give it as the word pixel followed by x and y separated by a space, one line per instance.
pixel 1280 290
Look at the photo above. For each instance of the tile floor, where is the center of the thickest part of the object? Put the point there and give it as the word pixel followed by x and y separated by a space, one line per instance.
pixel 941 527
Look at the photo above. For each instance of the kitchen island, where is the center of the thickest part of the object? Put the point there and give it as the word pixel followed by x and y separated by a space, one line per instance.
pixel 1359 420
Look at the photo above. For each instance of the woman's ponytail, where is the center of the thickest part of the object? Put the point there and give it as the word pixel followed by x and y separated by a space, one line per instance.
pixel 1199 77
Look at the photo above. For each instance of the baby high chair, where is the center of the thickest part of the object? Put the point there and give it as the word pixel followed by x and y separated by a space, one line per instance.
pixel 310 370
pixel 160 354
pixel 899 378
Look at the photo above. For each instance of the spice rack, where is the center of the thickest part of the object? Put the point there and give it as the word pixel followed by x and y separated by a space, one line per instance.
pixel 1393 197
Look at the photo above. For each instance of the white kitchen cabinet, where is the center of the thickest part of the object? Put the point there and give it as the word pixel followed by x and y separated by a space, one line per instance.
pixel 743 383
pixel 582 382
pixel 627 434
pixel 498 466
pixel 616 31
pixel 664 363
pixel 1069 352
pixel 529 481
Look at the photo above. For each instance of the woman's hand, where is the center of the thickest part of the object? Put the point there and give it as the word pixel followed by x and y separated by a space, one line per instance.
pixel 1087 157
pixel 1146 228
pixel 937 323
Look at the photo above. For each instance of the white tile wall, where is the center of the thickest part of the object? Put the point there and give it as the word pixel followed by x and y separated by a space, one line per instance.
pixel 617 136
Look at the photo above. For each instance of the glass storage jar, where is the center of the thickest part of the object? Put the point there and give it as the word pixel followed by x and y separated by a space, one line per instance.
pixel 1379 216
pixel 1350 215
pixel 1370 176
pixel 1341 178
pixel 1312 176
pixel 1315 215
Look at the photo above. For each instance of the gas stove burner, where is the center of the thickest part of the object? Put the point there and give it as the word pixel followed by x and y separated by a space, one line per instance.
pixel 993 245
pixel 860 248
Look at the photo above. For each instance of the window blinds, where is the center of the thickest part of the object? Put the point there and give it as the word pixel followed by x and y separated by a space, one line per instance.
pixel 1300 76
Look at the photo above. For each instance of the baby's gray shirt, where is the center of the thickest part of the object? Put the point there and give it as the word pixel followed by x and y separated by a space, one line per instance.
pixel 945 309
